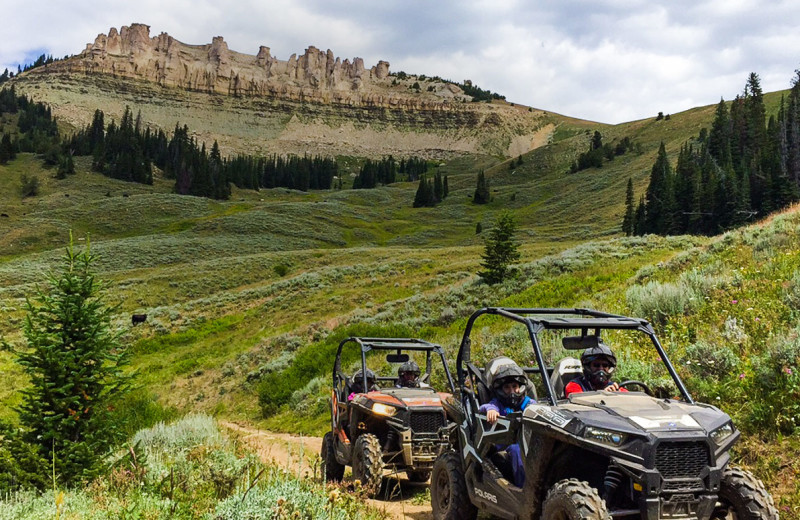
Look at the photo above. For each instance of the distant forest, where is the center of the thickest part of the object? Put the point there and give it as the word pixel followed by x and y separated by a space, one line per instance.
pixel 743 168
pixel 128 151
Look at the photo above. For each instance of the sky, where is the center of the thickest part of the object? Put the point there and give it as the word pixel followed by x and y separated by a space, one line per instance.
pixel 610 61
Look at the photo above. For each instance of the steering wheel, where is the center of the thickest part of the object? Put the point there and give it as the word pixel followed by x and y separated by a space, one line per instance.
pixel 632 382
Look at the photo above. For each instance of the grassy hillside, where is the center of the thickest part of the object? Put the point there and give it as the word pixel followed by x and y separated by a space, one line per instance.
pixel 239 292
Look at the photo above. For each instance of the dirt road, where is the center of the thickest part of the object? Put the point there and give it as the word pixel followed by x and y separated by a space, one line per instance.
pixel 300 455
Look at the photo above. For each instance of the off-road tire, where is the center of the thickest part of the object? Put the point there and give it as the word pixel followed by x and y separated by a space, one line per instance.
pixel 743 497
pixel 368 463
pixel 332 470
pixel 573 499
pixel 420 475
pixel 449 496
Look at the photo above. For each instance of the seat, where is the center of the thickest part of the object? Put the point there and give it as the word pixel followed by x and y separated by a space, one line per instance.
pixel 565 371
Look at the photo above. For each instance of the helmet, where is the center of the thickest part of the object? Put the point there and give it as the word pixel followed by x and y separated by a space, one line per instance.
pixel 601 376
pixel 358 379
pixel 408 374
pixel 501 371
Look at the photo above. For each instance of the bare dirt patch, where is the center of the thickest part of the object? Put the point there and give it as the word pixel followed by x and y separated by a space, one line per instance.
pixel 400 498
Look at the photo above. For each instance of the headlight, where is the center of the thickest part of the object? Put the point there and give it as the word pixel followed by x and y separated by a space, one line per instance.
pixel 609 437
pixel 720 434
pixel 382 409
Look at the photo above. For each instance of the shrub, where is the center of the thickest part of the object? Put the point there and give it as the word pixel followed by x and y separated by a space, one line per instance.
pixel 658 301
pixel 776 386
pixel 29 185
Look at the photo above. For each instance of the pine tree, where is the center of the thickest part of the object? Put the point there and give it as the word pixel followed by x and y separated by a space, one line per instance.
pixel 445 187
pixel 500 251
pixel 74 362
pixel 639 218
pixel 481 195
pixel 438 187
pixel 424 195
pixel 660 197
pixel 6 149
pixel 627 220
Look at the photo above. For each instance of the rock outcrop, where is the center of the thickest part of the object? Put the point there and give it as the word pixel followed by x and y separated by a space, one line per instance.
pixel 258 104
pixel 315 76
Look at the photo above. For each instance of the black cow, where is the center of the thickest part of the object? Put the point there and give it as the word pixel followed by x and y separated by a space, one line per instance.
pixel 138 318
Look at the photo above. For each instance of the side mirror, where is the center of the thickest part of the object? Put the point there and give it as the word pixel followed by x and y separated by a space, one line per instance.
pixel 397 358
pixel 580 342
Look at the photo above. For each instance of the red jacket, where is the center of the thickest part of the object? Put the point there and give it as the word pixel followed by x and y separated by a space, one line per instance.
pixel 580 384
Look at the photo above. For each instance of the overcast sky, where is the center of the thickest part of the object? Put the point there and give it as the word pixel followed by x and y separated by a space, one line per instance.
pixel 605 60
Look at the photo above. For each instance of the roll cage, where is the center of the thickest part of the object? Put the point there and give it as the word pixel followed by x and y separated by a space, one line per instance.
pixel 399 345
pixel 538 319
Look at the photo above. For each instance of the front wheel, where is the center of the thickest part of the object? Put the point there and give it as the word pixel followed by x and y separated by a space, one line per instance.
pixel 743 497
pixel 573 499
pixel 449 496
pixel 333 471
pixel 368 463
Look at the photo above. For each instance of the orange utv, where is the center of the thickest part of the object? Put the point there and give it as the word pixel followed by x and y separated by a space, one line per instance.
pixel 380 428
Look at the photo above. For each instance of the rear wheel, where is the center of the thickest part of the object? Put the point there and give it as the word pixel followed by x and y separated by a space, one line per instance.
pixel 420 475
pixel 332 470
pixel 572 499
pixel 449 496
pixel 743 497
pixel 368 463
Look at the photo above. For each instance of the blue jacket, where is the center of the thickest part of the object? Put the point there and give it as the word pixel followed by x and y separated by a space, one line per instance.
pixel 496 405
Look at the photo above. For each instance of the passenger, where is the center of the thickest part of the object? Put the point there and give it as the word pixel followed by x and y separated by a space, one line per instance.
pixel 598 364
pixel 408 376
pixel 508 386
pixel 357 387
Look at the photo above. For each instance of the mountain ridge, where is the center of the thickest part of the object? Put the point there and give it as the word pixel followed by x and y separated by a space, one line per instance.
pixel 312 103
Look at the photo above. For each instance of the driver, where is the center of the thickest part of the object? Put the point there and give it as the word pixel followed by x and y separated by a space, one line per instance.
pixel 408 376
pixel 358 382
pixel 598 364
pixel 508 385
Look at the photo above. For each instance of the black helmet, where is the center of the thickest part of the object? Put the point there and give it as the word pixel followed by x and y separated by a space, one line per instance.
pixel 501 371
pixel 358 379
pixel 598 377
pixel 408 374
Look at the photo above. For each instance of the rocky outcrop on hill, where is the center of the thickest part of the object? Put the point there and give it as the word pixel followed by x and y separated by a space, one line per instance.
pixel 259 104
pixel 315 76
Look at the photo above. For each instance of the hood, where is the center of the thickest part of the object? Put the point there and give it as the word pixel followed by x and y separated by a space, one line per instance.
pixel 416 397
pixel 639 411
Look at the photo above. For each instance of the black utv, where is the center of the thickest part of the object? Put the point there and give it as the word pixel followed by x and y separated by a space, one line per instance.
pixel 595 455
pixel 379 428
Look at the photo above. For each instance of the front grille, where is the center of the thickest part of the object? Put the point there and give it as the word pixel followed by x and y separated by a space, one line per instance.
pixel 426 422
pixel 684 460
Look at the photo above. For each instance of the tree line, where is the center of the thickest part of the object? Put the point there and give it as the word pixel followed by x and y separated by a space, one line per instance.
pixel 129 150
pixel 744 167
pixel 387 170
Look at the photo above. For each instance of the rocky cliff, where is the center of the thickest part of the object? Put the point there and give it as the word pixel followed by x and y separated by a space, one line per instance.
pixel 314 76
pixel 312 103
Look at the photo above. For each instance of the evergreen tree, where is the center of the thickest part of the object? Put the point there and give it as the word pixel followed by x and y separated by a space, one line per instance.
pixel 627 220
pixel 74 363
pixel 6 149
pixel 639 218
pixel 660 197
pixel 719 136
pixel 481 195
pixel 501 250
pixel 424 195
pixel 445 187
pixel 438 187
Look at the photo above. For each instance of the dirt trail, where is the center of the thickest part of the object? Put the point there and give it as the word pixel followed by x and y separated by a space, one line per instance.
pixel 298 454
